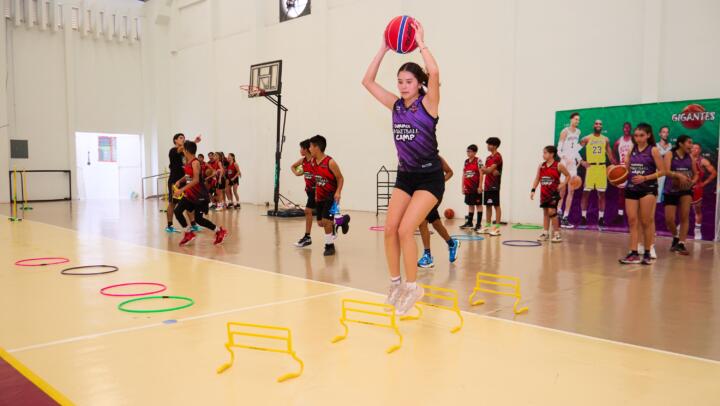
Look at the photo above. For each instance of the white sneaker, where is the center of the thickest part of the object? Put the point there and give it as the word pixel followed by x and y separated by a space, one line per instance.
pixel 495 232
pixel 544 237
pixel 484 230
pixel 408 299
pixel 557 238
pixel 697 235
pixel 394 293
pixel 653 254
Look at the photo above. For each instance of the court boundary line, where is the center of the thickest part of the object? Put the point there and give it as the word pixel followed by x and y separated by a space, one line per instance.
pixel 347 288
pixel 161 324
pixel 34 378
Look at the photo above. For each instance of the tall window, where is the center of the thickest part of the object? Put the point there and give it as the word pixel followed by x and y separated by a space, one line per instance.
pixel 107 149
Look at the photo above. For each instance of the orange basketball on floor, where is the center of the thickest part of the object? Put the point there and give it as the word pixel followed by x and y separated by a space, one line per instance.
pixel 400 34
pixel 575 182
pixel 617 175
pixel 449 213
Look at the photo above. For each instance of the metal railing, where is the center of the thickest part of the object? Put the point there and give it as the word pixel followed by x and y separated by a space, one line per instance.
pixel 161 180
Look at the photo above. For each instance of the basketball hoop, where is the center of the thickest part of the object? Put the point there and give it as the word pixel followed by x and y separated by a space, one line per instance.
pixel 253 91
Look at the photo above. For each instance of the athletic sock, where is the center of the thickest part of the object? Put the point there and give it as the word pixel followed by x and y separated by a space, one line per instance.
pixel 329 239
pixel 450 242
pixel 411 285
pixel 584 213
pixel 621 212
pixel 307 235
pixel 427 251
pixel 169 224
pixel 396 280
pixel 698 226
pixel 601 213
pixel 479 217
pixel 192 223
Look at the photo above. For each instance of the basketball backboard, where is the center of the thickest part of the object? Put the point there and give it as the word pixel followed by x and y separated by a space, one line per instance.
pixel 266 76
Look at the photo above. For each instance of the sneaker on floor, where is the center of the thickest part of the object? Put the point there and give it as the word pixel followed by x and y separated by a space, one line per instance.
pixel 556 238
pixel 653 253
pixel 495 232
pixel 171 229
pixel 237 206
pixel 304 241
pixel 394 293
pixel 697 235
pixel 647 259
pixel 583 221
pixel 195 228
pixel 329 250
pixel 543 237
pixel 219 207
pixel 187 238
pixel 220 236
pixel 409 298
pixel 631 259
pixel 680 249
pixel 477 228
pixel 426 261
pixel 468 224
pixel 565 223
pixel 345 227
pixel 453 251
pixel 601 222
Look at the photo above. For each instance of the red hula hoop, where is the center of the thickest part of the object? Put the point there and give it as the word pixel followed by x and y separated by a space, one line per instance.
pixel 104 290
pixel 58 260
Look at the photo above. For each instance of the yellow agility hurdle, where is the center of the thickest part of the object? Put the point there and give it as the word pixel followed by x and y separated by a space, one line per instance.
pixel 13 205
pixel 436 292
pixel 388 312
pixel 495 280
pixel 25 205
pixel 233 331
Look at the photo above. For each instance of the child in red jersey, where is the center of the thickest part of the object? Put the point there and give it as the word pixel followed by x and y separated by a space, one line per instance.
pixel 328 188
pixel 491 187
pixel 307 170
pixel 471 181
pixel 233 174
pixel 548 177
pixel 193 197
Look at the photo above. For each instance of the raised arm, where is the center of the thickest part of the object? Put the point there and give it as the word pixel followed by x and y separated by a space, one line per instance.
pixel 386 98
pixel 431 101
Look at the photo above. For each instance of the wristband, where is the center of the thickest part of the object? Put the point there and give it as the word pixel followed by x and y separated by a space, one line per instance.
pixel 532 190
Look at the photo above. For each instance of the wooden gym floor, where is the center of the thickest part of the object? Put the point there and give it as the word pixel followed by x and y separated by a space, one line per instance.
pixel 596 333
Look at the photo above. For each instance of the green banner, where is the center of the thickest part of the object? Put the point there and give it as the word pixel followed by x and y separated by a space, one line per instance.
pixel 699 119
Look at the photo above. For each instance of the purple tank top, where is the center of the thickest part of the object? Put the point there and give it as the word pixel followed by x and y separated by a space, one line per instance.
pixel 642 164
pixel 415 140
pixel 681 165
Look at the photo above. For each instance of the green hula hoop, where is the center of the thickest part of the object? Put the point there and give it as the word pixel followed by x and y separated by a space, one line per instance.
pixel 189 303
pixel 526 227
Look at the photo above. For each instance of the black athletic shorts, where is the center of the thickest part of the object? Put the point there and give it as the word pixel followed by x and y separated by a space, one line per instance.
pixel 673 199
pixel 221 184
pixel 552 202
pixel 310 199
pixel 234 182
pixel 323 209
pixel 639 194
pixel 434 214
pixel 195 207
pixel 473 199
pixel 410 182
pixel 492 198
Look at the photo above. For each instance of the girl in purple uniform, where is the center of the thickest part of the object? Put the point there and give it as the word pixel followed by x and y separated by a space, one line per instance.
pixel 420 180
pixel 644 166
pixel 679 181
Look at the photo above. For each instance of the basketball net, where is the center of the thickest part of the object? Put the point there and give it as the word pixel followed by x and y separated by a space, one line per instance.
pixel 253 91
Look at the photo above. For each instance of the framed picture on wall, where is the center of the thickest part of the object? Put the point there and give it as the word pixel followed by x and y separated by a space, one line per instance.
pixel 292 9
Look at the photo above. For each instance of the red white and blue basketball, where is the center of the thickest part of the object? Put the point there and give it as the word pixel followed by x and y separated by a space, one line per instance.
pixel 400 34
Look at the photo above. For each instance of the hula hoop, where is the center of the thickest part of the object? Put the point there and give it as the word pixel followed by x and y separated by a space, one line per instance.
pixel 189 303
pixel 526 227
pixel 58 260
pixel 111 267
pixel 377 228
pixel 522 243
pixel 467 237
pixel 104 290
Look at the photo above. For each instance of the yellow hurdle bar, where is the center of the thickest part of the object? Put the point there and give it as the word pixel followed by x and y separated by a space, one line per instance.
pixel 13 206
pixel 25 205
pixel 435 292
pixel 389 313
pixel 492 280
pixel 287 337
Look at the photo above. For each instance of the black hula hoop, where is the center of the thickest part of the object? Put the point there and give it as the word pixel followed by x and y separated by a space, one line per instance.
pixel 112 268
pixel 522 243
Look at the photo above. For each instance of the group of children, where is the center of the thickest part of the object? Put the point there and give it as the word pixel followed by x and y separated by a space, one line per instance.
pixel 672 174
pixel 481 186
pixel 222 178
pixel 323 185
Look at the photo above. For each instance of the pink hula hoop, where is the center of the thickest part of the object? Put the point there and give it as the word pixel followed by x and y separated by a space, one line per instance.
pixel 377 228
pixel 104 290
pixel 58 260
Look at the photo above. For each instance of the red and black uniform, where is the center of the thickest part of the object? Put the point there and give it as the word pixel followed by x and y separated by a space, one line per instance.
pixel 195 199
pixel 492 181
pixel 325 187
pixel 549 185
pixel 471 181
pixel 230 172
pixel 308 167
